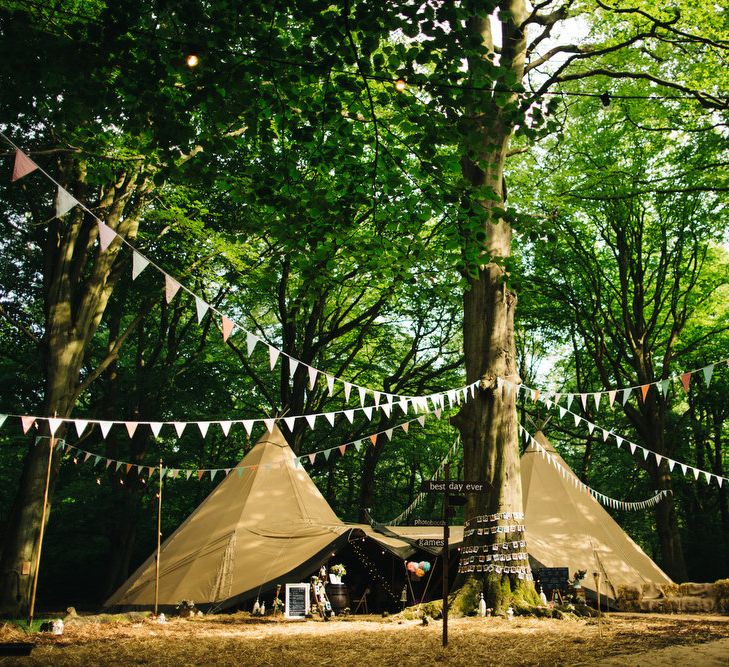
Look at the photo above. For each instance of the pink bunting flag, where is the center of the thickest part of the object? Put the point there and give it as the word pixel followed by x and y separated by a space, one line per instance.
pixel 685 381
pixel 106 235
pixel 27 423
pixel 227 328
pixel 406 427
pixel 312 456
pixel 342 449
pixel 171 288
pixel 23 166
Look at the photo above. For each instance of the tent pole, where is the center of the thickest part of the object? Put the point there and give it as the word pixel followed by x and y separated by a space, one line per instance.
pixel 159 536
pixel 51 444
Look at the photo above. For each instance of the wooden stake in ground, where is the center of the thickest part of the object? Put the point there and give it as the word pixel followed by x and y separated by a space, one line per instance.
pixel 159 540
pixel 51 444
pixel 446 535
pixel 599 614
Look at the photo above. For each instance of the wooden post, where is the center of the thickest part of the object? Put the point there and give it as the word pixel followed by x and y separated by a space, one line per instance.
pixel 599 612
pixel 159 540
pixel 446 534
pixel 51 444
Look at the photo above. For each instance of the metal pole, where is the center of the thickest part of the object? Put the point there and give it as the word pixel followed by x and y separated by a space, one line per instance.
pixel 159 538
pixel 446 470
pixel 51 443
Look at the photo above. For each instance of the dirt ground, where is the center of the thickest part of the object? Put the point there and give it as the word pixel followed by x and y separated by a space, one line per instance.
pixel 620 640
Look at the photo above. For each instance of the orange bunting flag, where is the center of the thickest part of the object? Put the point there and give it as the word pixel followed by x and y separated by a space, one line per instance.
pixel 374 438
pixel 200 473
pixel 644 390
pixel 406 427
pixel 686 380
pixel 342 448
pixel 129 467
pixel 23 165
pixel 227 328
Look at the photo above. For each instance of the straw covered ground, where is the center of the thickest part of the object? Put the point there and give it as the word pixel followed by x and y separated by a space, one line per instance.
pixel 237 639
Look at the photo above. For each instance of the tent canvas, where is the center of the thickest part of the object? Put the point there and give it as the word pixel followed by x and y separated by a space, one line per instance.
pixel 567 527
pixel 265 524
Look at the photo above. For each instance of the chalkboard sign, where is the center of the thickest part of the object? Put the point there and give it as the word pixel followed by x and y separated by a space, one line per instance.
pixel 297 600
pixel 552 578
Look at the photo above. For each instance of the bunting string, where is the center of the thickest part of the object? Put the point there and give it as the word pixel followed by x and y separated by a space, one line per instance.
pixel 65 201
pixel 125 467
pixel 607 433
pixel 600 497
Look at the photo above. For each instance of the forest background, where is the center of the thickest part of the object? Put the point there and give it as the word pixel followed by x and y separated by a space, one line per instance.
pixel 287 181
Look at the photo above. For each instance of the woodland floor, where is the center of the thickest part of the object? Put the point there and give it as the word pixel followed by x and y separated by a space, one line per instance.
pixel 622 639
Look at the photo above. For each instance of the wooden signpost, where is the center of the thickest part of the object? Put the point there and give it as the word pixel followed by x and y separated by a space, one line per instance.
pixel 447 487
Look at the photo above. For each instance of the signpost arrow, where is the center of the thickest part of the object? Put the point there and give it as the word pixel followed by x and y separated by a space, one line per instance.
pixel 451 486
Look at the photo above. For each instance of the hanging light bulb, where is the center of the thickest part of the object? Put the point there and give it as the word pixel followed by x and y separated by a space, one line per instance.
pixel 400 85
pixel 192 60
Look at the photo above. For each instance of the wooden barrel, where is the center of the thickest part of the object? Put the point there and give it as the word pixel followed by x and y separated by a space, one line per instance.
pixel 338 595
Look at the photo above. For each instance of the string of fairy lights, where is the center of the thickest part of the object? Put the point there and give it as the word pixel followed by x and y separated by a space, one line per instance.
pixel 372 569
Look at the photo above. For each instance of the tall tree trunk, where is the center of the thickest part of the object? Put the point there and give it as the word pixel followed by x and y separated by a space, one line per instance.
pixel 78 281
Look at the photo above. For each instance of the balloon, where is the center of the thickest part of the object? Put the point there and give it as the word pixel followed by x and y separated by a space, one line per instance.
pixel 421 565
pixel 411 567
pixel 426 566
pixel 420 572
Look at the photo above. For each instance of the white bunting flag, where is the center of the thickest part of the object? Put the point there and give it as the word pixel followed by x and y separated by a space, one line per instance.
pixel 562 412
pixel 406 427
pixel 570 398
pixel 131 428
pixel 659 458
pixel 312 457
pixel 330 384
pixel 290 421
pixel 577 418
pixel 583 399
pixel 312 376
pixel 330 417
pixel 23 165
pixel 597 395
pixel 105 427
pixel 377 395
pixel 225 427
pixel 626 394
pixel 590 427
pixel 619 441
pixel 671 463
pixel 605 435
pixel 684 467
pixel 179 428
pixel 362 393
pixel 273 353
pixel 388 433
pixel 156 428
pixel 53 424
pixel 611 396
pixel 311 419
pixel 171 288
pixel 64 202
pixel 403 403
pixel 248 425
pixel 368 412
pixel 421 420
pixel 2 419
pixel 632 447
pixel 251 341
pixel 80 425
pixel 349 414
pixel 293 365
pixel 270 423
pixel 358 445
pixel 386 408
pixel 347 390
pixel 708 372
pixel 106 235
pixel 139 263
pixel 203 426
pixel 696 472
pixel 645 453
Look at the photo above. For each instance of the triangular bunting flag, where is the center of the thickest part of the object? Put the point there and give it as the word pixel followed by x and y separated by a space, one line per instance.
pixel 53 424
pixel 347 390
pixel 106 235
pixel 312 376
pixel 180 428
pixel 23 165
pixel 330 384
pixel 671 463
pixel 386 408
pixel 562 412
pixel 645 453
pixel 388 433
pixel 290 422
pixel 373 438
pixel 27 423
pixel 200 308
pixel 583 400
pixel 685 381
pixel 377 396
pixel 632 447
pixel 342 449
pixel 708 372
pixel 156 428
pixel 2 419
pixel 273 356
pixel 696 473
pixel 326 453
pixel 171 288
pixel 248 425
pixel 406 427
pixel 438 413
pixel 358 445
pixel 188 473
pixel 349 414
pixel 139 263
pixel 64 202
pixel 131 428
pixel 330 417
pixel 644 390
pixel 368 412
pixel 203 426
pixel 228 326
pixel 312 456
pixel 225 427
pixel 80 425
pixel 421 420
pixel 597 396
pixel 611 396
pixel 659 458
pixel 105 428
pixel 590 427
pixel 213 473
pixel 578 419
pixel 403 403
pixel 200 473
pixel 311 419
pixel 684 467
pixel 605 435
pixel 362 394
pixel 619 441
pixel 293 365
pixel 626 394
pixel 251 341
pixel 664 385
pixel 269 424
pixel 570 398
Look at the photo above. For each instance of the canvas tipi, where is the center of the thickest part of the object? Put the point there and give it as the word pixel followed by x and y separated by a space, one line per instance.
pixel 265 523
pixel 567 527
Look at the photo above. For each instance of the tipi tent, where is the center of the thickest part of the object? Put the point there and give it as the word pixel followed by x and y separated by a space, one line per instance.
pixel 265 523
pixel 567 527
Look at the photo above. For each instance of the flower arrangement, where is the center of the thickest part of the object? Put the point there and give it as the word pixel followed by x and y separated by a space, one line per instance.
pixel 339 570
pixel 579 576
